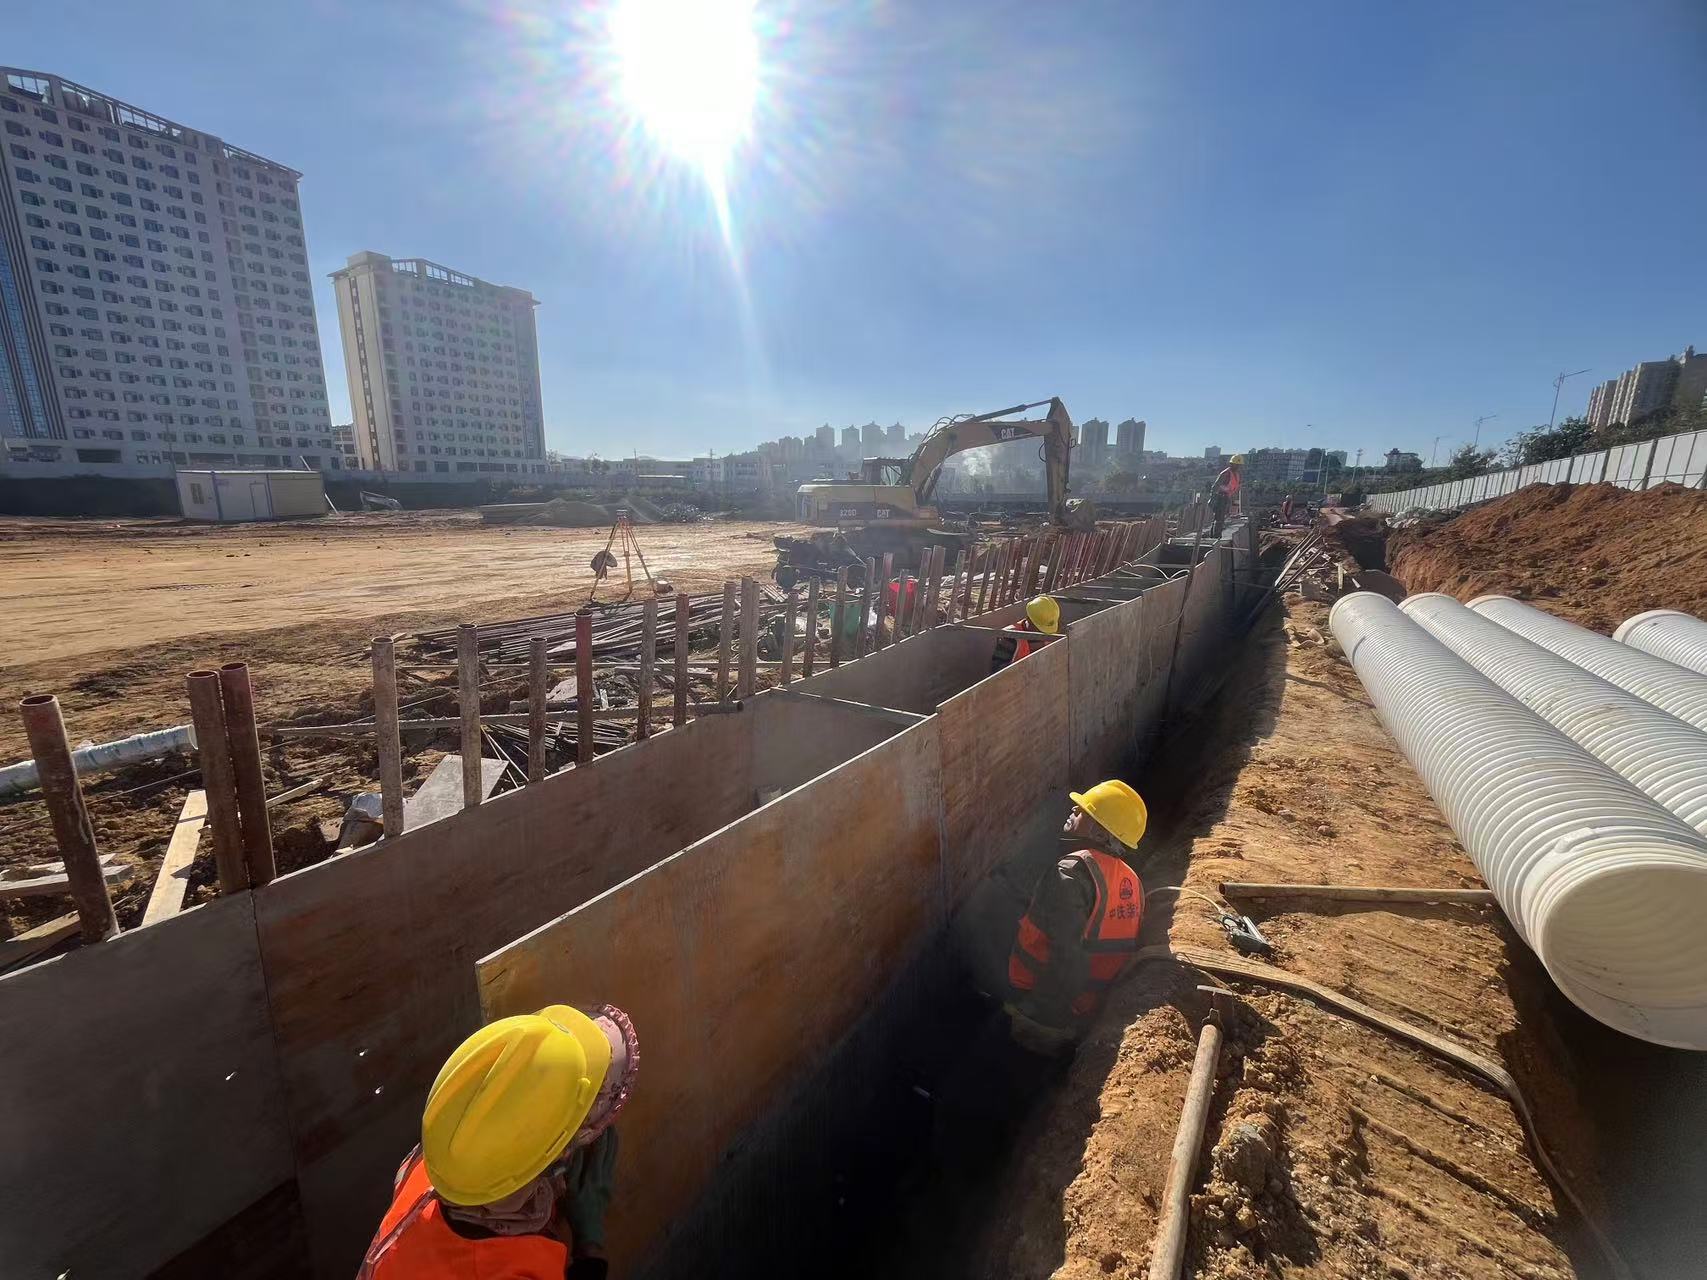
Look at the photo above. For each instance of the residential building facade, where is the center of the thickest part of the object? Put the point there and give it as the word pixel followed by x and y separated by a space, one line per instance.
pixel 1129 439
pixel 155 305
pixel 1678 381
pixel 1093 443
pixel 443 368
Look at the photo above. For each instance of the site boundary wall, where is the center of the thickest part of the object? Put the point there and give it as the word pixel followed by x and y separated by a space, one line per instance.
pixel 237 1084
pixel 1647 464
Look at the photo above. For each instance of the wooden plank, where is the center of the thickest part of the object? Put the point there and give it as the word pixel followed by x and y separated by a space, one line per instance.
pixel 811 651
pixel 648 662
pixel 245 751
pixel 1231 889
pixel 751 621
pixel 725 640
pixel 1005 754
pixel 443 794
pixel 709 947
pixel 167 899
pixel 537 677
pixel 369 956
pixel 879 638
pixel 468 709
pixel 587 697
pixel 296 792
pixel 679 710
pixel 386 736
pixel 16 950
pixel 863 640
pixel 838 616
pixel 57 883
pixel 112 1172
pixel 956 601
pixel 789 615
pixel 927 620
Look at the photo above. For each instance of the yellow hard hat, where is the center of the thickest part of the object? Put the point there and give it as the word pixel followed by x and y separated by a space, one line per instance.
pixel 1117 808
pixel 1045 615
pixel 506 1103
pixel 1237 460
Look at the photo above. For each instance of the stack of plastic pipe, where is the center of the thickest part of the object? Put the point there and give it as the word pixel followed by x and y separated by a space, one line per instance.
pixel 1604 883
pixel 1666 633
pixel 1662 755
pixel 1668 686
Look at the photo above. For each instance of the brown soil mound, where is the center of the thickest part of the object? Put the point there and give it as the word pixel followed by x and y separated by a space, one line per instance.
pixel 1363 538
pixel 1595 554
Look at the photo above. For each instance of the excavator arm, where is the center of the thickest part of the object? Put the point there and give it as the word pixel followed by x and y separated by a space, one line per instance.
pixel 1055 429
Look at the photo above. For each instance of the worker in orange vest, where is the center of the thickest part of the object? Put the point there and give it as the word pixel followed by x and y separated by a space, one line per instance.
pixel 1041 615
pixel 517 1157
pixel 1080 930
pixel 1225 496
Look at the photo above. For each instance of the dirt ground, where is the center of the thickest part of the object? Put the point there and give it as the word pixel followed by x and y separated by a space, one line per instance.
pixel 1595 554
pixel 111 615
pixel 1335 1150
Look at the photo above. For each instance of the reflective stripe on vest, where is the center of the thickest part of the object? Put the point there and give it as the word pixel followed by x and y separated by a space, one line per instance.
pixel 1110 934
pixel 415 1242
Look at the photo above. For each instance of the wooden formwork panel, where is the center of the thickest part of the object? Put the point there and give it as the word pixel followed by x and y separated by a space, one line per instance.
pixel 369 958
pixel 743 961
pixel 1004 750
pixel 143 1101
pixel 1104 675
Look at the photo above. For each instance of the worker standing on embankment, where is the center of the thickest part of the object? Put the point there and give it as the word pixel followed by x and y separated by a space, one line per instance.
pixel 1042 615
pixel 1081 928
pixel 517 1157
pixel 1225 494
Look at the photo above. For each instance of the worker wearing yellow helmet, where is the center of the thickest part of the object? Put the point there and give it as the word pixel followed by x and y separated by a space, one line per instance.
pixel 517 1156
pixel 1042 615
pixel 1079 932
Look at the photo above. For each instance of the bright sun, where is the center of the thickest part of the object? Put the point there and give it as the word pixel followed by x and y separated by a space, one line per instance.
pixel 689 71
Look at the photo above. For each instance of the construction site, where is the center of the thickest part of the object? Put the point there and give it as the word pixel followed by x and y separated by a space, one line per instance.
pixel 1420 988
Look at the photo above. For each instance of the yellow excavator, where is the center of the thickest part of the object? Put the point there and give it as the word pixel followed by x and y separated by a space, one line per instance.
pixel 888 509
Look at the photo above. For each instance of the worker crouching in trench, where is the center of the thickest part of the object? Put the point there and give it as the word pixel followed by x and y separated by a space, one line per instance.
pixel 1041 615
pixel 517 1156
pixel 1081 927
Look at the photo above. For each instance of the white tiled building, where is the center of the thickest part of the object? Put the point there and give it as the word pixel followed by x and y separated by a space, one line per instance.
pixel 443 369
pixel 155 305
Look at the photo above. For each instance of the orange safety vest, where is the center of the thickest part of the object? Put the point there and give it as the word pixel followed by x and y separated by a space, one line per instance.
pixel 1021 646
pixel 414 1242
pixel 1111 932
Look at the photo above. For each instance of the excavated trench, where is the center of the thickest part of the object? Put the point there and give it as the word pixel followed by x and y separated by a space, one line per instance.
pixel 890 1161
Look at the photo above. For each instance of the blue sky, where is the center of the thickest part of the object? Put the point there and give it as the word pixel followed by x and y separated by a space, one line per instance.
pixel 1232 220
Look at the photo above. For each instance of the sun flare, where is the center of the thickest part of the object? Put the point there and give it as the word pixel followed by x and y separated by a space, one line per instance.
pixel 689 73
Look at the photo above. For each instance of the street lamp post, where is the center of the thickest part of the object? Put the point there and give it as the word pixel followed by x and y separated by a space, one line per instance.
pixel 1434 452
pixel 1558 383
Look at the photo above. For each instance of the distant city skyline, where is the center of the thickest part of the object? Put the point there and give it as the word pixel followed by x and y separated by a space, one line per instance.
pixel 1374 220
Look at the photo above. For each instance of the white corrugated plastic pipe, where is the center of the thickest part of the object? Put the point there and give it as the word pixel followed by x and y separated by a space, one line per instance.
pixel 1668 686
pixel 1662 755
pixel 1667 633
pixel 1608 887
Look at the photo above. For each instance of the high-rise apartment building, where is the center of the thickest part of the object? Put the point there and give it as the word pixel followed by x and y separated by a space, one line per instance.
pixel 825 438
pixel 154 287
pixel 443 368
pixel 896 439
pixel 1600 404
pixel 1129 438
pixel 850 442
pixel 1093 443
pixel 871 438
pixel 1679 381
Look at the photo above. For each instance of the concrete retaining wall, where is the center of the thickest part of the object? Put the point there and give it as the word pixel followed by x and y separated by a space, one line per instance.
pixel 246 1076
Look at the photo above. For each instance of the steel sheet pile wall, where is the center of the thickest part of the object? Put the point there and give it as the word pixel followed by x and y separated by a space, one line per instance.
pixel 743 960
pixel 1005 751
pixel 143 1104
pixel 186 1073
